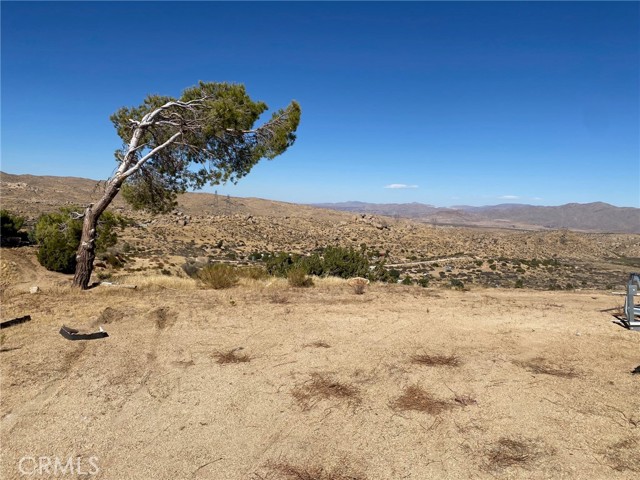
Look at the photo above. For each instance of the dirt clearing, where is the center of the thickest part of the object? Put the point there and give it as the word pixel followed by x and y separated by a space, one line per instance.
pixel 399 382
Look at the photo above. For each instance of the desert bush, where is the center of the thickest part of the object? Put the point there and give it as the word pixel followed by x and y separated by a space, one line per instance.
pixel 457 284
pixel 407 280
pixel 381 274
pixel 519 283
pixel 358 284
pixel 297 277
pixel 313 264
pixel 423 282
pixel 58 236
pixel 278 264
pixel 218 276
pixel 254 273
pixel 10 224
pixel 344 263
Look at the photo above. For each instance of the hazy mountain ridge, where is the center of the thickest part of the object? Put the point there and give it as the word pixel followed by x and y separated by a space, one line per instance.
pixel 47 192
pixel 595 216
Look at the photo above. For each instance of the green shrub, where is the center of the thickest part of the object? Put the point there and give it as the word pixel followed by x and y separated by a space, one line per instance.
pixel 519 283
pixel 10 224
pixel 423 282
pixel 58 236
pixel 457 284
pixel 279 264
pixel 297 277
pixel 344 263
pixel 393 275
pixel 407 280
pixel 218 276
pixel 313 264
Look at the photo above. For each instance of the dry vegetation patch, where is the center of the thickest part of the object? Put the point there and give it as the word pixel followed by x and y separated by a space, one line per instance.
pixel 218 276
pixel 436 360
pixel 541 366
pixel 231 356
pixel 623 455
pixel 358 284
pixel 323 387
pixel 514 452
pixel 288 471
pixel 418 399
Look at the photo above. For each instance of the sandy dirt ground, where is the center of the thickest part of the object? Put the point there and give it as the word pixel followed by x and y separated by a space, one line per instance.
pixel 320 384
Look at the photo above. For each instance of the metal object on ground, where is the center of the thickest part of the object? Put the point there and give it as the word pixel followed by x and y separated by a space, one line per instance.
pixel 15 321
pixel 75 334
pixel 631 310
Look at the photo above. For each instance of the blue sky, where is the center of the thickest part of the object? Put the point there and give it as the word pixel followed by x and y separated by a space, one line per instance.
pixel 461 102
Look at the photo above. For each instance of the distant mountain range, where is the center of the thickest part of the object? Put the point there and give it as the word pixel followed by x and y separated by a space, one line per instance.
pixel 43 193
pixel 590 217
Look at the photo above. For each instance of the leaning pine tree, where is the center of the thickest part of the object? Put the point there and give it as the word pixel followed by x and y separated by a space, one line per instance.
pixel 207 136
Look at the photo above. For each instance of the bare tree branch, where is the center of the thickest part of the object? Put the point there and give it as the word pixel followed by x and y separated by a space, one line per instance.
pixel 141 162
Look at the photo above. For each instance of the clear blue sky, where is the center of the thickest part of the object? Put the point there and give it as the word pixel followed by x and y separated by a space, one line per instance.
pixel 465 103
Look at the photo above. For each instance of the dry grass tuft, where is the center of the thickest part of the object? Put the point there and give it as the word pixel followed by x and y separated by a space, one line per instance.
pixel 252 272
pixel 321 387
pixel 298 278
pixel 540 366
pixel 231 356
pixel 156 282
pixel 513 452
pixel 219 276
pixel 436 360
pixel 416 398
pixel 623 455
pixel 287 471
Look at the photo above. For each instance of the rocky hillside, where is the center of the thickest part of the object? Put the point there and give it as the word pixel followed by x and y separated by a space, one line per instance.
pixel 206 227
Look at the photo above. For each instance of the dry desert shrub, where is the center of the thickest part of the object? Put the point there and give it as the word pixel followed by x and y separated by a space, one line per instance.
pixel 252 272
pixel 358 284
pixel 322 387
pixel 231 356
pixel 540 366
pixel 418 399
pixel 288 471
pixel 513 452
pixel 435 360
pixel 218 276
pixel 297 277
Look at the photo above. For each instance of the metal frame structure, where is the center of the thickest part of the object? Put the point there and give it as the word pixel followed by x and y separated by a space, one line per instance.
pixel 631 310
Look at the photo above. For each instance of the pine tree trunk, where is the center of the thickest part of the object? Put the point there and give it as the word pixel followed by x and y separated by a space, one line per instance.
pixel 87 250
